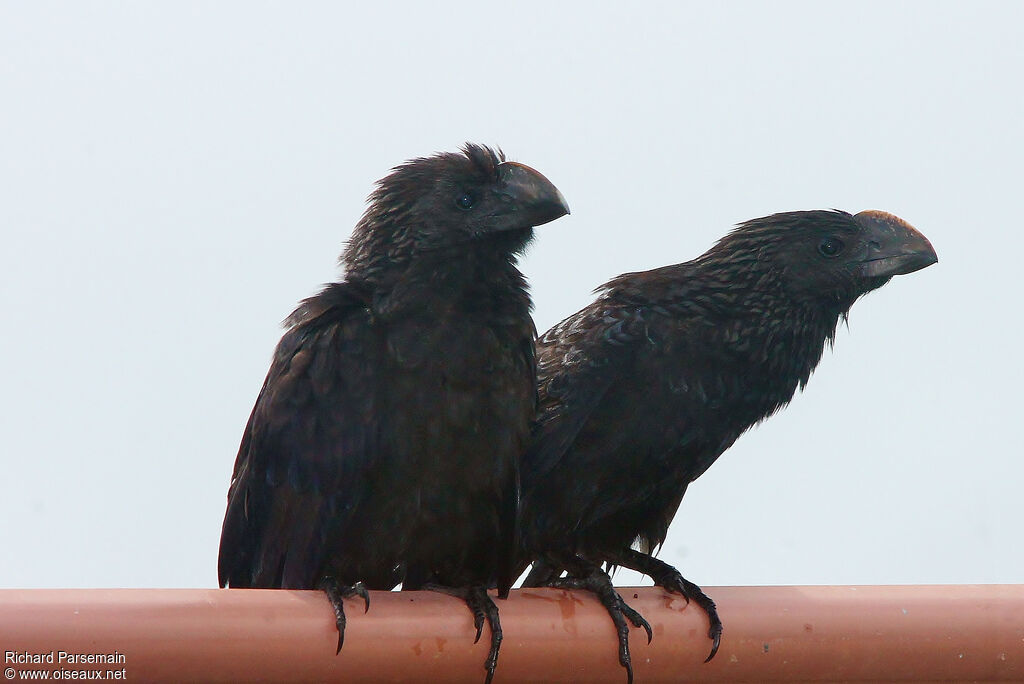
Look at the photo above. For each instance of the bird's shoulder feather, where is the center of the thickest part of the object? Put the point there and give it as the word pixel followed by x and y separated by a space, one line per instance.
pixel 313 427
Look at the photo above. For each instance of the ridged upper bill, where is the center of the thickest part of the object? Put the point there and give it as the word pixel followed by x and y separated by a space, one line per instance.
pixel 896 247
pixel 536 199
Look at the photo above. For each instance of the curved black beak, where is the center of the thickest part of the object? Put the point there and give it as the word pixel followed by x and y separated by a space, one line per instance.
pixel 533 199
pixel 895 247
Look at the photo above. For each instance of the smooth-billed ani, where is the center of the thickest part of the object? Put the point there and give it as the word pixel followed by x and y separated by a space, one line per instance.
pixel 642 390
pixel 384 445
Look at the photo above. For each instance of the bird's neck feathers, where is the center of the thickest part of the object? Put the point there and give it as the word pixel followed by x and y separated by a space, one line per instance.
pixel 744 309
pixel 390 240
pixel 388 257
pixel 780 333
pixel 784 349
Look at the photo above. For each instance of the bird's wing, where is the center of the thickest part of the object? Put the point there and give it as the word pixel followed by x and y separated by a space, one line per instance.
pixel 310 438
pixel 602 430
pixel 580 360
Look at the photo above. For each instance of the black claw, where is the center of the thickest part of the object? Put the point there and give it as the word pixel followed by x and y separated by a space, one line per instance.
pixel 336 594
pixel 637 619
pixel 360 590
pixel 716 638
pixel 598 583
pixel 483 608
pixel 496 636
pixel 478 622
pixel 714 622
pixel 664 575
pixel 479 607
pixel 487 608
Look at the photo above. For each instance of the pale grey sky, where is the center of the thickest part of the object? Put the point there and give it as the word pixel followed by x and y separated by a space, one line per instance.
pixel 175 176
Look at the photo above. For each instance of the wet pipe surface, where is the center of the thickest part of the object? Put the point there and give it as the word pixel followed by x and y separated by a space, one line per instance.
pixel 864 633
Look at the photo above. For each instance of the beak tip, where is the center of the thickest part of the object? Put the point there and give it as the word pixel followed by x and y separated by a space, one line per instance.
pixel 561 200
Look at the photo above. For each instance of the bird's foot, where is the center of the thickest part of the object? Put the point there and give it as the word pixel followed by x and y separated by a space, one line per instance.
pixel 599 583
pixel 336 594
pixel 482 607
pixel 664 575
pixel 678 584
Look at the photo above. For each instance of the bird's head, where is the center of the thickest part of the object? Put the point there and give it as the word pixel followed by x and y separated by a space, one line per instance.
pixel 451 200
pixel 831 256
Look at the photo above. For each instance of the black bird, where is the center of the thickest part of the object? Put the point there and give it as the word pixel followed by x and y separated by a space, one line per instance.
pixel 642 390
pixel 384 445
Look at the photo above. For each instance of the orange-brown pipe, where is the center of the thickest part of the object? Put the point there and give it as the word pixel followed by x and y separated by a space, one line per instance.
pixel 892 633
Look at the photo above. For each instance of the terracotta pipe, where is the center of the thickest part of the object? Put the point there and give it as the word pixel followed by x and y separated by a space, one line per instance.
pixel 908 633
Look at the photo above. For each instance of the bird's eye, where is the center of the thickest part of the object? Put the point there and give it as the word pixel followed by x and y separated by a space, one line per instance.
pixel 830 247
pixel 465 201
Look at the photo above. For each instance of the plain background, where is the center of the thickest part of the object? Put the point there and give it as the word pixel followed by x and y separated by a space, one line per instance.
pixel 175 176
